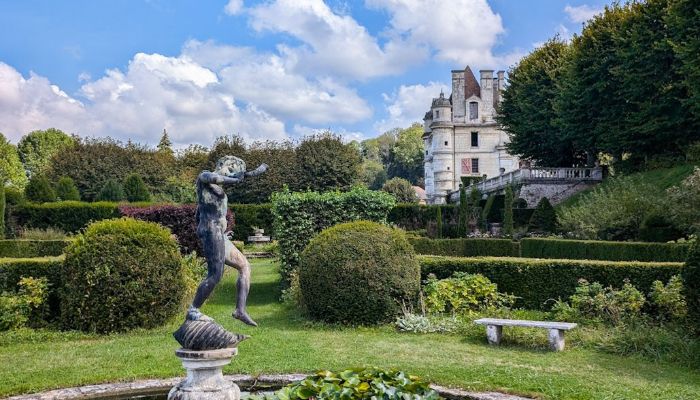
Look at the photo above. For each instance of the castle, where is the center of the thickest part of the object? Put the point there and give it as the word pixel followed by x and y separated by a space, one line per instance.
pixel 461 136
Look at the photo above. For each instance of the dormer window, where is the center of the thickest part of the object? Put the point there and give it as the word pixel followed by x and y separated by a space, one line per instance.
pixel 473 110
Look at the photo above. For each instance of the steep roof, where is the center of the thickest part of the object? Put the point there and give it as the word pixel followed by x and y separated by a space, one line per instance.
pixel 471 85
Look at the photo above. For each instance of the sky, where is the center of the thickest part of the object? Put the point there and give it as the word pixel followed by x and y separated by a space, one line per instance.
pixel 266 70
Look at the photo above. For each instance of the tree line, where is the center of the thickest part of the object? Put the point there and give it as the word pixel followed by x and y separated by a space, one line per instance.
pixel 625 91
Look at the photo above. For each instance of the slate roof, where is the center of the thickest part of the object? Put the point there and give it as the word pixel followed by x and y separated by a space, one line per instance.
pixel 471 85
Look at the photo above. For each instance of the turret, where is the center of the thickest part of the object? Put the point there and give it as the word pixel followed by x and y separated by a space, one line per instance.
pixel 442 109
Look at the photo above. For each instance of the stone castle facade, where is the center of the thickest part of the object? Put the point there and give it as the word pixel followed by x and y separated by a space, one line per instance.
pixel 461 136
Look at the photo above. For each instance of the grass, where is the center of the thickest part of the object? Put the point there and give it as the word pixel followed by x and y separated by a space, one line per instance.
pixel 33 361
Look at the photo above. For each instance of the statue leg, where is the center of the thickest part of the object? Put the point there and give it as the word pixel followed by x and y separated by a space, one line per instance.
pixel 214 251
pixel 237 260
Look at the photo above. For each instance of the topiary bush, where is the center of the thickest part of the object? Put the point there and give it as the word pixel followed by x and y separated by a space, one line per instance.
pixel 39 190
pixel 358 273
pixel 111 191
pixel 544 218
pixel 66 190
pixel 121 274
pixel 135 189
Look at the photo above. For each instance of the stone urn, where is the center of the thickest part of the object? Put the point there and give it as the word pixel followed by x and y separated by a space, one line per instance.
pixel 205 379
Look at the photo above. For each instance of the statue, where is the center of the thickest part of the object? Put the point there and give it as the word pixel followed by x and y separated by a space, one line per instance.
pixel 212 206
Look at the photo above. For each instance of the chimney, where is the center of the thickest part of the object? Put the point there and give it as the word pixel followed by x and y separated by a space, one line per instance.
pixel 458 94
pixel 486 92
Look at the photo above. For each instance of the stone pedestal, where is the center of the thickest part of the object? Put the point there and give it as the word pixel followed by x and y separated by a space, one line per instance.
pixel 205 380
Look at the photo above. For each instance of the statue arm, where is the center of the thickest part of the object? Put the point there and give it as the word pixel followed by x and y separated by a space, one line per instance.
pixel 213 178
pixel 257 171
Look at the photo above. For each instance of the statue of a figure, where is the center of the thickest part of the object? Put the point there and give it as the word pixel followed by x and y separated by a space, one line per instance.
pixel 212 206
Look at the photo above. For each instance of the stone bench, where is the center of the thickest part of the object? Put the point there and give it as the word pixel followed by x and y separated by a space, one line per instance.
pixel 494 329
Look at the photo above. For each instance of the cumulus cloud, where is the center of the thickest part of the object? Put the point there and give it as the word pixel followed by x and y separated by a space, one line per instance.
pixel 581 13
pixel 233 7
pixel 408 105
pixel 332 44
pixel 463 32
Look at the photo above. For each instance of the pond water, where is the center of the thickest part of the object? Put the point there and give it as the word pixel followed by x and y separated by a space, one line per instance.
pixel 164 395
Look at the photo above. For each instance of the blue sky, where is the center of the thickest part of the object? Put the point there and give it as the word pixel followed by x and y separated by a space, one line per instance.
pixel 266 70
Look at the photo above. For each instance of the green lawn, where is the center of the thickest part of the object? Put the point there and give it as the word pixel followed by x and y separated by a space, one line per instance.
pixel 32 361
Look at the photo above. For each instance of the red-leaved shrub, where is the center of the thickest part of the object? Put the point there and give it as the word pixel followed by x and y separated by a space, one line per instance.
pixel 178 217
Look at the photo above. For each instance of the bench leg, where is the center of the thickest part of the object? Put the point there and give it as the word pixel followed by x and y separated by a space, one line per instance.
pixel 494 333
pixel 556 339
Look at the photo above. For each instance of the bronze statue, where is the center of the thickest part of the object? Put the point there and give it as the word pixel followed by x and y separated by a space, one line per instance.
pixel 212 206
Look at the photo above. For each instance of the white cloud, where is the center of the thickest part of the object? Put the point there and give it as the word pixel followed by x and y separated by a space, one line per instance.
pixel 408 105
pixel 333 44
pixel 233 7
pixel 581 13
pixel 463 32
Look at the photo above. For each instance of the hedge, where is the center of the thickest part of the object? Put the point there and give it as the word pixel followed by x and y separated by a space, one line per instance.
pixel 249 215
pixel 536 281
pixel 466 247
pixel 24 248
pixel 602 250
pixel 13 269
pixel 69 216
pixel 298 217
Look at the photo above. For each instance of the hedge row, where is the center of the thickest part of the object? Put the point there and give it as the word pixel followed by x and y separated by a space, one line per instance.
pixel 23 248
pixel 68 216
pixel 13 269
pixel 536 281
pixel 466 247
pixel 601 250
pixel 248 216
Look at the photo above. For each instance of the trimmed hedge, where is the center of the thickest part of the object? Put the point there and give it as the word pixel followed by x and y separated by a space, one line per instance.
pixel 601 250
pixel 466 247
pixel 68 216
pixel 535 281
pixel 23 248
pixel 249 215
pixel 13 269
pixel 298 217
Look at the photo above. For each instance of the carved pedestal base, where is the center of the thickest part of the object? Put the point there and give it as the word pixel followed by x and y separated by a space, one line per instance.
pixel 205 380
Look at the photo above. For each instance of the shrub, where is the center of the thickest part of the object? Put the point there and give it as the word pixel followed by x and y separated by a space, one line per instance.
pixel 121 274
pixel 466 247
pixel 23 248
pixel 668 299
pixel 246 216
pixel 593 302
pixel 486 212
pixel 12 270
pixel 658 228
pixel 180 218
pixel 691 284
pixel 544 218
pixel 300 216
pixel 508 223
pixel 2 211
pixel 438 221
pixel 463 210
pixel 135 189
pixel 601 250
pixel 521 216
pixel 66 190
pixel 357 384
pixel 401 189
pixel 16 308
pixel 463 293
pixel 375 265
pixel 111 191
pixel 68 216
pixel 43 234
pixel 684 203
pixel 39 190
pixel 535 281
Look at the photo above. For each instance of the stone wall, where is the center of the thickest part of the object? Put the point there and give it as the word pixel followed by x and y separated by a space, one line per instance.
pixel 555 193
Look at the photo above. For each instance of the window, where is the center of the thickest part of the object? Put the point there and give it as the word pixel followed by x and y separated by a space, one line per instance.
pixel 475 139
pixel 448 168
pixel 437 114
pixel 475 165
pixel 445 142
pixel 426 152
pixel 473 110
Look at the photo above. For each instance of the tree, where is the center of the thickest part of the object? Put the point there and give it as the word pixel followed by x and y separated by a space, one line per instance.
pixel 544 218
pixel 372 174
pixel 11 170
pixel 165 145
pixel 111 191
pixel 438 218
pixel 407 154
pixel 463 210
pixel 683 19
pixel 508 212
pixel 66 189
pixel 225 146
pixel 326 163
pixel 2 212
pixel 37 148
pixel 401 189
pixel 39 190
pixel 527 111
pixel 135 189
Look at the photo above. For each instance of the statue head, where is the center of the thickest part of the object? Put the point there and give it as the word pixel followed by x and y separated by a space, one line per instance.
pixel 230 166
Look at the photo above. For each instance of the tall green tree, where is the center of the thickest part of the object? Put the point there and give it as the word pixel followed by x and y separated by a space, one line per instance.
pixel 683 20
pixel 508 212
pixel 66 190
pixel 135 189
pixel 111 191
pixel 544 218
pixel 39 190
pixel 165 146
pixel 527 111
pixel 463 211
pixel 37 148
pixel 11 169
pixel 373 174
pixel 2 211
pixel 326 163
pixel 407 154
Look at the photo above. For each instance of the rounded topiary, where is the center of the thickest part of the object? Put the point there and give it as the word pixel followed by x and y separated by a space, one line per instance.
pixel 691 285
pixel 544 218
pixel 66 190
pixel 121 274
pixel 111 191
pixel 39 190
pixel 358 273
pixel 135 189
